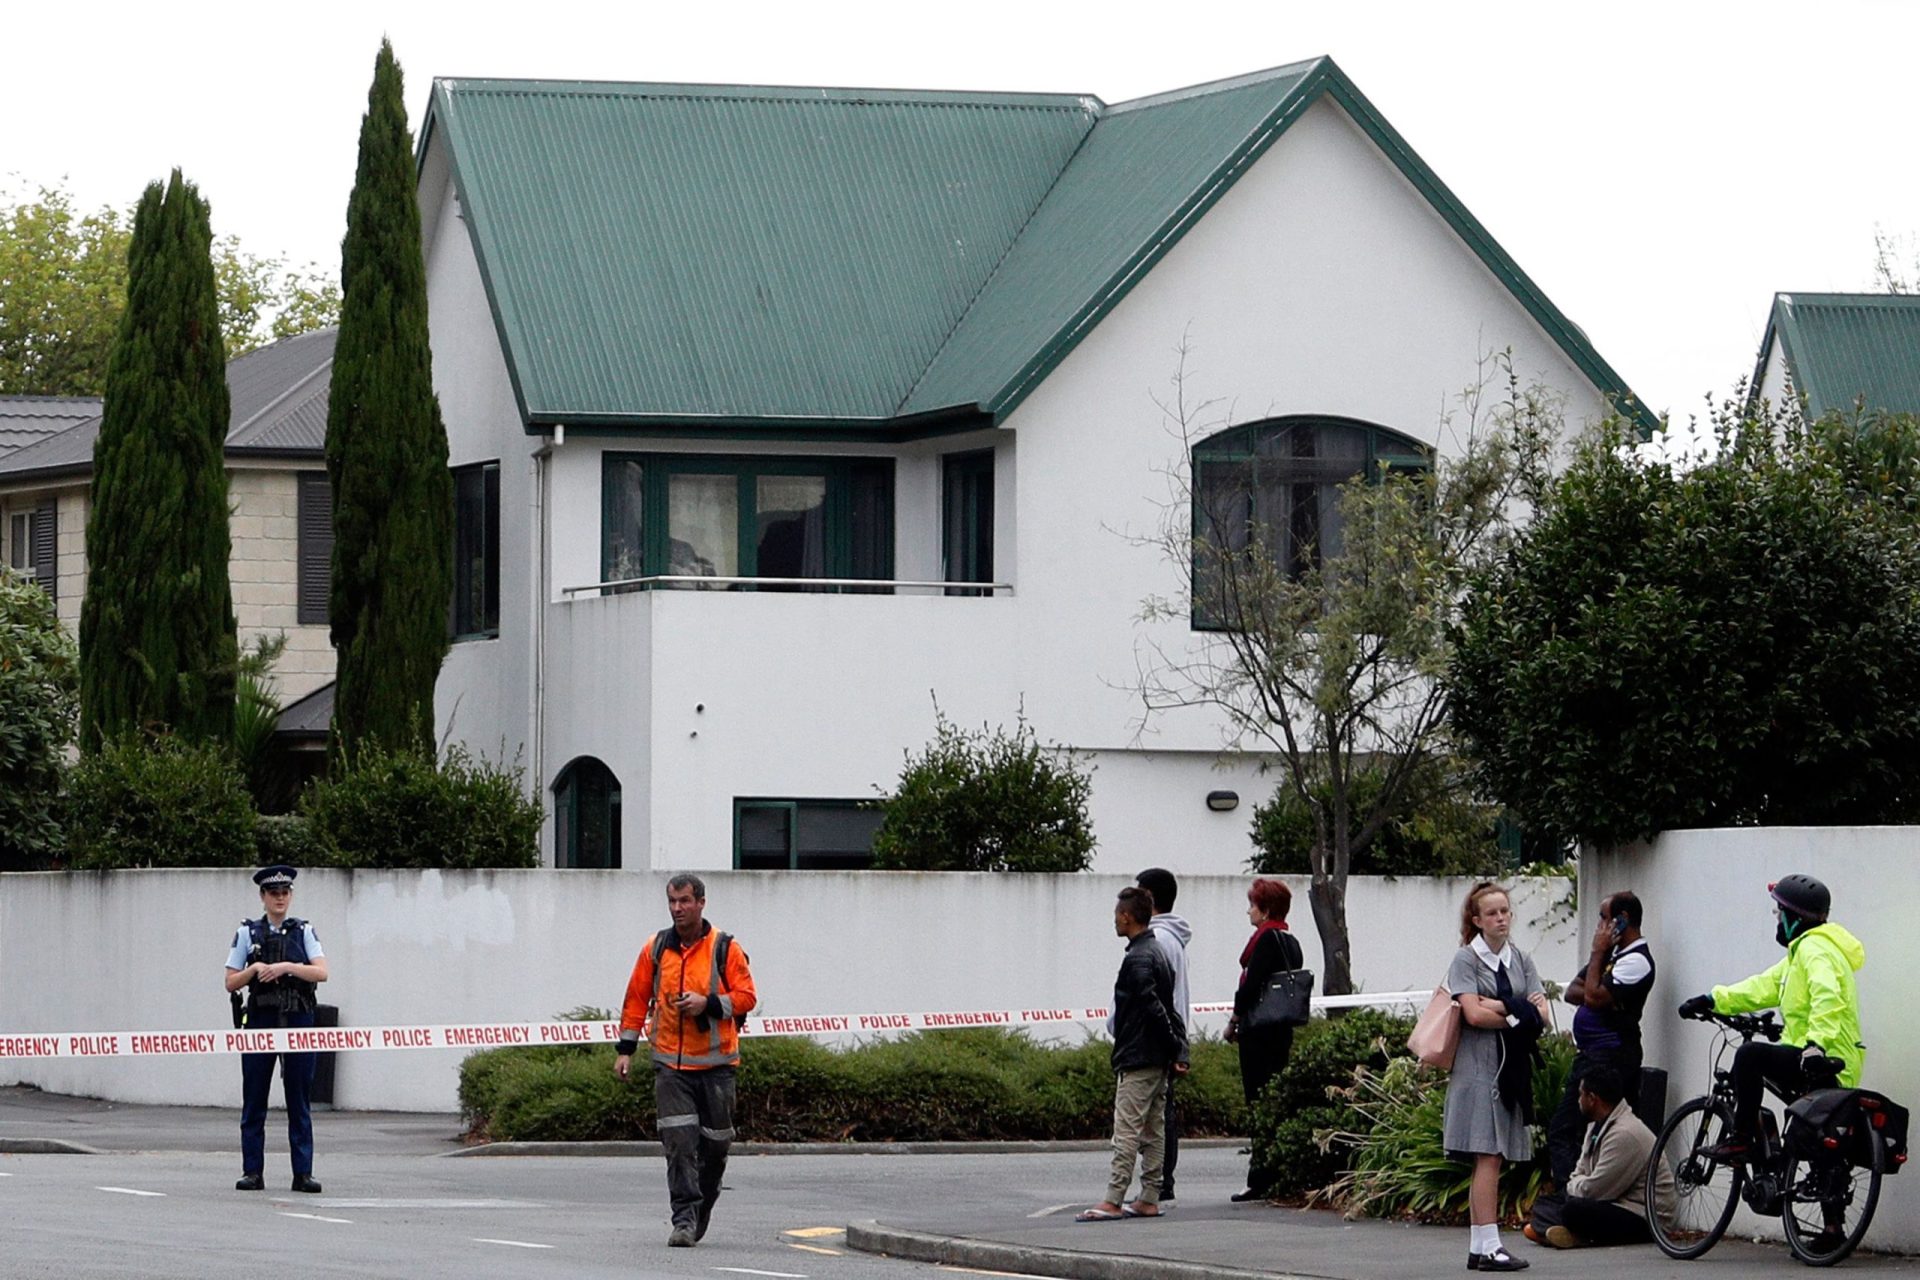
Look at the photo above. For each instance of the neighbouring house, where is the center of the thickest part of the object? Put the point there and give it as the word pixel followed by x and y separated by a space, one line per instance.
pixel 1832 351
pixel 282 521
pixel 777 414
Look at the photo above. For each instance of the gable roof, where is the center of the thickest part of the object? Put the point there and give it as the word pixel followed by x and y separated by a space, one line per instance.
pixel 1840 348
pixel 277 408
pixel 26 420
pixel 749 257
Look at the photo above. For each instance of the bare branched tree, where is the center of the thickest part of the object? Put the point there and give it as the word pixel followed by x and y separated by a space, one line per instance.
pixel 1321 576
pixel 1896 262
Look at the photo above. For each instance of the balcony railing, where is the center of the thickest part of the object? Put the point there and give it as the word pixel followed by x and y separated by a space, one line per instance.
pixel 857 586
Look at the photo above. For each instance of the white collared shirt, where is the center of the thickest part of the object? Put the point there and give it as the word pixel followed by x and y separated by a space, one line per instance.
pixel 1491 958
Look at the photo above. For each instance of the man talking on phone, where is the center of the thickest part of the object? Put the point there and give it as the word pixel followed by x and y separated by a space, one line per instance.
pixel 1607 996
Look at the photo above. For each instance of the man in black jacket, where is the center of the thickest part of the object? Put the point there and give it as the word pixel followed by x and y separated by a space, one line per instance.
pixel 1149 1041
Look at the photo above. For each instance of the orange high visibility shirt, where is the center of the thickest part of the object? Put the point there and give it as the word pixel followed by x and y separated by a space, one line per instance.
pixel 650 1010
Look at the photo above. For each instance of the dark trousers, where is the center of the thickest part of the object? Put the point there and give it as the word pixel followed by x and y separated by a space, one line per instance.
pixel 1755 1063
pixel 256 1082
pixel 1567 1127
pixel 695 1111
pixel 1262 1057
pixel 1594 1221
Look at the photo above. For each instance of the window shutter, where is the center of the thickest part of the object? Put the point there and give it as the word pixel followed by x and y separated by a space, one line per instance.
pixel 315 519
pixel 46 546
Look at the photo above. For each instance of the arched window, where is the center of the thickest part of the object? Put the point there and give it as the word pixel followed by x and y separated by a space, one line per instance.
pixel 586 816
pixel 1274 485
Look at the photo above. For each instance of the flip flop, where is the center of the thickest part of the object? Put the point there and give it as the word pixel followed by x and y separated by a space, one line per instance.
pixel 1099 1215
pixel 1129 1211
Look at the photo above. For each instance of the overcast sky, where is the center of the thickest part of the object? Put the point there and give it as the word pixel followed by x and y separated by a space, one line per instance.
pixel 1659 169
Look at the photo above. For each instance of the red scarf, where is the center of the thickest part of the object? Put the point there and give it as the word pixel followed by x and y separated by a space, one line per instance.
pixel 1246 956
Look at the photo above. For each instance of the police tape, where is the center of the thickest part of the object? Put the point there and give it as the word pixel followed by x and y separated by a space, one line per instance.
pixel 494 1035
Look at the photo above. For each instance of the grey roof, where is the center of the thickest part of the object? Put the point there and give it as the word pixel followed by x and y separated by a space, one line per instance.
pixel 310 716
pixel 279 409
pixel 26 420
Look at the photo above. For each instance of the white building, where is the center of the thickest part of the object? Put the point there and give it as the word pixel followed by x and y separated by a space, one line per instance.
pixel 745 333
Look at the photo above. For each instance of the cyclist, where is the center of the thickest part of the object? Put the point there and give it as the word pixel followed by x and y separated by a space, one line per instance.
pixel 1815 993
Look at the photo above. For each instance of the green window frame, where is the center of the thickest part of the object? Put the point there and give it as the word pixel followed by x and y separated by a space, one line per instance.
pixel 586 815
pixel 1279 478
pixel 637 494
pixel 772 834
pixel 966 525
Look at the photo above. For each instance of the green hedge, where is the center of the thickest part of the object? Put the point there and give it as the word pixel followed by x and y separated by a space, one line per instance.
pixel 928 1086
pixel 158 802
pixel 1297 1103
pixel 402 809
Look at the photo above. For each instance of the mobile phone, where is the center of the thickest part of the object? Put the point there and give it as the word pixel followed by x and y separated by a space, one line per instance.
pixel 1619 925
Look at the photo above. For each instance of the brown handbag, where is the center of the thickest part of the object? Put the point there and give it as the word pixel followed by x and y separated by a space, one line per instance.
pixel 1436 1035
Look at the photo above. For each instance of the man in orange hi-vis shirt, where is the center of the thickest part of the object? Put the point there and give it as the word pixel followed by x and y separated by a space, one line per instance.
pixel 689 988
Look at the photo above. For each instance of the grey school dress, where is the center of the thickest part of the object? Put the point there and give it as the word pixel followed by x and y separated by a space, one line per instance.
pixel 1478 1121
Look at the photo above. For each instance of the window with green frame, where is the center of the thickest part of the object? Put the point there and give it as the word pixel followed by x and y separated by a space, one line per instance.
pixel 967 520
pixel 804 835
pixel 745 517
pixel 1276 484
pixel 586 816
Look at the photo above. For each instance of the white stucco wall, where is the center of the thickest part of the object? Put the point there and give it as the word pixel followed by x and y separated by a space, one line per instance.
pixel 1711 923
pixel 1321 283
pixel 408 947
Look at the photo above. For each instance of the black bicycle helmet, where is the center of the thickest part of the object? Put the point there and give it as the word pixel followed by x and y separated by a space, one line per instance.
pixel 1802 895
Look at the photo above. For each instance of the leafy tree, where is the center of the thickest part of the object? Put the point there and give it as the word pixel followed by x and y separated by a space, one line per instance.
pixel 1716 647
pixel 387 453
pixel 986 800
pixel 63 285
pixel 1330 660
pixel 1441 829
pixel 157 638
pixel 39 703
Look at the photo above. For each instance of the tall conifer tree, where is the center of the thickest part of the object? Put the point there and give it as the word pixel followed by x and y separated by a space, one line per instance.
pixel 387 452
pixel 157 647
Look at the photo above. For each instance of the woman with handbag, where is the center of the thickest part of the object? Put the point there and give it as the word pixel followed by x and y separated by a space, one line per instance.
pixel 1272 949
pixel 1490 1091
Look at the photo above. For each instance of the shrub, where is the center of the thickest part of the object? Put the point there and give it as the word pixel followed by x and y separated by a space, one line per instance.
pixel 398 809
pixel 1440 829
pixel 929 1086
pixel 39 706
pixel 288 838
pixel 1400 1164
pixel 987 800
pixel 158 802
pixel 1297 1103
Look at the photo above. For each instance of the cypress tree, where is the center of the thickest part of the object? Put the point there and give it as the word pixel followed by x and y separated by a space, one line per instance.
pixel 386 453
pixel 157 646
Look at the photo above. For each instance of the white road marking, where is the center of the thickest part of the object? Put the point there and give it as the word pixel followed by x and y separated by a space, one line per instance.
pixel 5 1175
pixel 1055 1208
pixel 749 1271
pixel 517 1244
pixel 129 1191
pixel 814 1248
pixel 430 1204
pixel 315 1217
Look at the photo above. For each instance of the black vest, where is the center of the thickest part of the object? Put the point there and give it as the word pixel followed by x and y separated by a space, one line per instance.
pixel 289 994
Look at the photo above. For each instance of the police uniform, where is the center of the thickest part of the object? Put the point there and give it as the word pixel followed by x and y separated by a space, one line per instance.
pixel 288 1002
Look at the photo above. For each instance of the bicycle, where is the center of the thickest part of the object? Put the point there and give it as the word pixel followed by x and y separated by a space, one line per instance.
pixel 1824 1190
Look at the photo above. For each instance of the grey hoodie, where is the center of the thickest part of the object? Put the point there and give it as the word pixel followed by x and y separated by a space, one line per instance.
pixel 1170 934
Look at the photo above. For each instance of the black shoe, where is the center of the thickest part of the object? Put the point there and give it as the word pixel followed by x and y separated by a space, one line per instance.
pixel 1498 1260
pixel 701 1219
pixel 250 1182
pixel 680 1238
pixel 305 1182
pixel 1241 1197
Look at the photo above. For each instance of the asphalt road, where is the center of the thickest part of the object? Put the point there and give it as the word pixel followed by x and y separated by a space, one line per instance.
pixel 175 1214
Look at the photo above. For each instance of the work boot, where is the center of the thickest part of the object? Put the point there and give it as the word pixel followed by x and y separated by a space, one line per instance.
pixel 250 1182
pixel 701 1221
pixel 680 1238
pixel 305 1182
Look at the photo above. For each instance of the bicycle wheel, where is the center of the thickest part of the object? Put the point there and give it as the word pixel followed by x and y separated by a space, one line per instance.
pixel 1830 1204
pixel 1706 1192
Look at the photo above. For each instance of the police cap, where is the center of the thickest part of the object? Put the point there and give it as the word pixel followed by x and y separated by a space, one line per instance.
pixel 274 876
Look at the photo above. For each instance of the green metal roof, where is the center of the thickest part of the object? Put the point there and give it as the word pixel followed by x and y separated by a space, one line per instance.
pixel 1846 347
pixel 761 258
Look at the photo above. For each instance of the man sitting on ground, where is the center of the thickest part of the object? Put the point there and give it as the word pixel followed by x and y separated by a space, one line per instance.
pixel 1605 1198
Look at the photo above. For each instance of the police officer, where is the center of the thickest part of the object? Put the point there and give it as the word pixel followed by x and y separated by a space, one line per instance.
pixel 278 960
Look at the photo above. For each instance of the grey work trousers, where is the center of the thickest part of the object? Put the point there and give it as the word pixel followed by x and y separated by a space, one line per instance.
pixel 1139 1131
pixel 695 1110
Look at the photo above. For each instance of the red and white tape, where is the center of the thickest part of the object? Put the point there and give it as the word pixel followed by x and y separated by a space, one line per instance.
pixel 493 1035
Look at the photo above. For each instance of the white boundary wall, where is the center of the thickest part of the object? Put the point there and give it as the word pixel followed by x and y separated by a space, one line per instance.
pixel 144 951
pixel 1711 922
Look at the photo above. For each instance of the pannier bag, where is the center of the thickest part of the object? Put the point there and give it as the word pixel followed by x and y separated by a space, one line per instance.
pixel 1847 1120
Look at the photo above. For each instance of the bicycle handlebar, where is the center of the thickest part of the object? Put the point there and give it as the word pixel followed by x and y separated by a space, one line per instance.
pixel 1747 1025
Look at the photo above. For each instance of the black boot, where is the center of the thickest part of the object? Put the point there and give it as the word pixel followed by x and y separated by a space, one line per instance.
pixel 250 1182
pixel 305 1182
